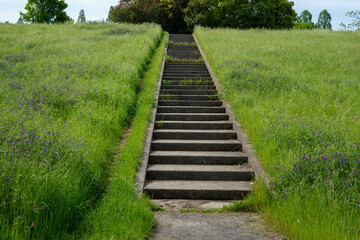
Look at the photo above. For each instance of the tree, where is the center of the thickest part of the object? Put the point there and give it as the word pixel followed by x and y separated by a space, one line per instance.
pixel 45 11
pixel 324 20
pixel 81 18
pixel 355 24
pixel 305 17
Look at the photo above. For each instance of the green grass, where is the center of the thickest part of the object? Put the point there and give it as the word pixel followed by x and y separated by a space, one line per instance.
pixel 122 215
pixel 296 94
pixel 67 94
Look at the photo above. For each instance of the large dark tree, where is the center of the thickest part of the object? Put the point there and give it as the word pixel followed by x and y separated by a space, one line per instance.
pixel 45 11
pixel 183 15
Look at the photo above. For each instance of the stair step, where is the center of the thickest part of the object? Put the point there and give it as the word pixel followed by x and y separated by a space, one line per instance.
pixel 173 64
pixel 210 190
pixel 189 103
pixel 194 78
pixel 194 109
pixel 188 92
pixel 191 117
pixel 168 70
pixel 195 145
pixel 188 87
pixel 180 38
pixel 194 134
pixel 198 157
pixel 186 75
pixel 188 97
pixel 187 81
pixel 200 172
pixel 199 125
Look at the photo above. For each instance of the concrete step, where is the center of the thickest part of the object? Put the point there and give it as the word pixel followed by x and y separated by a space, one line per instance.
pixel 177 68
pixel 168 70
pixel 200 172
pixel 188 87
pixel 187 82
pixel 187 92
pixel 186 109
pixel 181 78
pixel 184 74
pixel 193 125
pixel 210 103
pixel 187 65
pixel 198 157
pixel 181 38
pixel 194 134
pixel 188 97
pixel 192 117
pixel 182 48
pixel 210 190
pixel 195 145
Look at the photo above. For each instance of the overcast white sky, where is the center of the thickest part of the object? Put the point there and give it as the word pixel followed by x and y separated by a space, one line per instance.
pixel 98 9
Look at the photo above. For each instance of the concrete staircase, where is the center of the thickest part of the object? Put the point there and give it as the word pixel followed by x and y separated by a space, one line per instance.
pixel 194 153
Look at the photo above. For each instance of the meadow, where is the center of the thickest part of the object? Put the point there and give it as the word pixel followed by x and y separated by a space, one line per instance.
pixel 67 94
pixel 296 94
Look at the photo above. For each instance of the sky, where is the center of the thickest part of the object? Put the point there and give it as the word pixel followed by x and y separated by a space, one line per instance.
pixel 98 9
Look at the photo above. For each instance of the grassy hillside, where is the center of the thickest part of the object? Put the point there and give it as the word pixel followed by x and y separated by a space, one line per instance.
pixel 67 93
pixel 296 93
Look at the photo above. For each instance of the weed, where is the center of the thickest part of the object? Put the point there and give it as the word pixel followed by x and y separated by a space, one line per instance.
pixel 177 60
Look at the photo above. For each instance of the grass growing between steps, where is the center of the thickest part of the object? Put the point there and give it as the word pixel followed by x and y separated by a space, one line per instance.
pixel 178 60
pixel 67 94
pixel 296 93
pixel 121 215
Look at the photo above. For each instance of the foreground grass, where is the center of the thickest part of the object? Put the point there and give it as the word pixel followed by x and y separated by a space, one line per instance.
pixel 122 215
pixel 67 93
pixel 296 95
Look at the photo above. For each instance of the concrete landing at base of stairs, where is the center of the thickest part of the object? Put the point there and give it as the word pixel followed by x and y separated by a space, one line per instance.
pixel 195 226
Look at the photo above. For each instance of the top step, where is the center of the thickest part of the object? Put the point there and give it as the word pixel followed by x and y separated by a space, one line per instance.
pixel 181 38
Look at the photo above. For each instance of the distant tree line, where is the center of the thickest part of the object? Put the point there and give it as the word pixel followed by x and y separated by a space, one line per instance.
pixel 303 21
pixel 183 15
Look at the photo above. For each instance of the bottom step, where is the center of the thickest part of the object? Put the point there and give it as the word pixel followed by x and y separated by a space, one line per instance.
pixel 209 190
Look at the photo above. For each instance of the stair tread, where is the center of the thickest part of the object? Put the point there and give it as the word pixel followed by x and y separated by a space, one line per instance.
pixel 199 168
pixel 196 141
pixel 193 131
pixel 198 153
pixel 199 185
pixel 192 114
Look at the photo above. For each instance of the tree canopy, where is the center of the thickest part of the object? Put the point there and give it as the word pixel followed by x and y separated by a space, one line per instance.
pixel 324 20
pixel 183 15
pixel 45 11
pixel 81 18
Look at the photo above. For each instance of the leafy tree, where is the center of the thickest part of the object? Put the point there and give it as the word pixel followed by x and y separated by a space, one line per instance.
pixel 45 11
pixel 355 24
pixel 81 18
pixel 305 17
pixel 183 15
pixel 173 16
pixel 324 20
pixel 136 11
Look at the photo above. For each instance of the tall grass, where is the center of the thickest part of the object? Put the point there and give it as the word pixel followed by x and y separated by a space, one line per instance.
pixel 122 215
pixel 67 93
pixel 296 95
